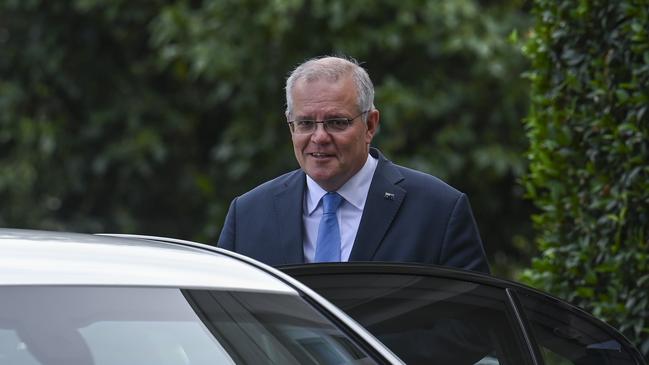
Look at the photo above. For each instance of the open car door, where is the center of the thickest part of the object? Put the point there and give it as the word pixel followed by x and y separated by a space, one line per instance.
pixel 432 315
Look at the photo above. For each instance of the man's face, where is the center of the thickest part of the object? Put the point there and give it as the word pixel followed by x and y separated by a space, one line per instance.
pixel 331 159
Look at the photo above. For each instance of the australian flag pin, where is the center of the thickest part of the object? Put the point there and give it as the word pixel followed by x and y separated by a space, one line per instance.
pixel 388 196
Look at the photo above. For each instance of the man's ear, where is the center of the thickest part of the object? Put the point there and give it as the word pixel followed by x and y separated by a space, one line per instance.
pixel 373 117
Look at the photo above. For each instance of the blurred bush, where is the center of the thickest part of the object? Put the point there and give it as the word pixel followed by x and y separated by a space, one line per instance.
pixel 150 117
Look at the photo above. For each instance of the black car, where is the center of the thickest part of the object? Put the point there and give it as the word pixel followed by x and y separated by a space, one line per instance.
pixel 434 315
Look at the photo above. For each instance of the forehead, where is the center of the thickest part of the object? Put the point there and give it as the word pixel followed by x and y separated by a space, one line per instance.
pixel 323 96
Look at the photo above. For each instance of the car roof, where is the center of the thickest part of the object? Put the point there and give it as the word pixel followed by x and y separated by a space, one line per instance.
pixel 31 257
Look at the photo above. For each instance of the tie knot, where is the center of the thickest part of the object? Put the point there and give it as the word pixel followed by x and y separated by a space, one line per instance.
pixel 331 201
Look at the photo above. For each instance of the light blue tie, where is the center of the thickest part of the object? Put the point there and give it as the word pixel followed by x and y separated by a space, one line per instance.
pixel 327 247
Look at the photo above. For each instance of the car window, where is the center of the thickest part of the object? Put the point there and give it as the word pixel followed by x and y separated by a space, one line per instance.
pixel 426 320
pixel 568 337
pixel 165 326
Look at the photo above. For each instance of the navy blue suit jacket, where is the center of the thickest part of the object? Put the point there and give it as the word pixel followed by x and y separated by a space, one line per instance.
pixel 424 221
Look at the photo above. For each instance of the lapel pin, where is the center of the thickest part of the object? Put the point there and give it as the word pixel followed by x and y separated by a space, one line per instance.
pixel 388 196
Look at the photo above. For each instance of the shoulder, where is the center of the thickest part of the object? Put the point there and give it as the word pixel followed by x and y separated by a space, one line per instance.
pixel 272 187
pixel 415 181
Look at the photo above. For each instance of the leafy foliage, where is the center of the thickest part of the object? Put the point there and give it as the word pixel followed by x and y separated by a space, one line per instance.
pixel 151 116
pixel 89 134
pixel 589 171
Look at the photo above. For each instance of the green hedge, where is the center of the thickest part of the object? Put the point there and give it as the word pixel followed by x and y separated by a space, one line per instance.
pixel 589 157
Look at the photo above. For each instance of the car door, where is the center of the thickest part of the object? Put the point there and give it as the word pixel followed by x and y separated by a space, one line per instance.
pixel 566 335
pixel 432 315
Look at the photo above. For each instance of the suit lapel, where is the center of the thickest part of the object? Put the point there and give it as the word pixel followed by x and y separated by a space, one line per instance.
pixel 383 202
pixel 288 212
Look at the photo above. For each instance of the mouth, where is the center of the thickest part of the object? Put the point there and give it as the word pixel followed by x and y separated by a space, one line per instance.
pixel 319 155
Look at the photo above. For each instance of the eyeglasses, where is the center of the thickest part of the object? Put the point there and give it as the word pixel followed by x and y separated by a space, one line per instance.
pixel 333 125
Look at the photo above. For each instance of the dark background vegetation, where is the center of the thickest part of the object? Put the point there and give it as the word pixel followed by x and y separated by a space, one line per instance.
pixel 150 116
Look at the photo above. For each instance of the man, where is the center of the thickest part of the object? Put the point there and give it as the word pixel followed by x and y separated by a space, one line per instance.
pixel 387 212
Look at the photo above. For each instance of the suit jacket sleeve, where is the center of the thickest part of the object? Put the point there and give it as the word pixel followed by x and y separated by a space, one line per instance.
pixel 227 237
pixel 462 246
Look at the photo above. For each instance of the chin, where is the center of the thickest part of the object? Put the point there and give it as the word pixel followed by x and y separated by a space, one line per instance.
pixel 319 177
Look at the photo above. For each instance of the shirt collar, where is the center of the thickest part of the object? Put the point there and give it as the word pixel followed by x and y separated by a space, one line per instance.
pixel 354 191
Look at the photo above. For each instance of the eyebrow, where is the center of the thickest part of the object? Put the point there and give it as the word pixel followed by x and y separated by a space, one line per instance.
pixel 329 116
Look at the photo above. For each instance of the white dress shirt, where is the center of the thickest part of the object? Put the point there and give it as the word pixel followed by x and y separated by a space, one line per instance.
pixel 354 193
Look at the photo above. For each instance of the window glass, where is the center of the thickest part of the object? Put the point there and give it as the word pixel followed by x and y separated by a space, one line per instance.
pixel 165 326
pixel 426 320
pixel 567 337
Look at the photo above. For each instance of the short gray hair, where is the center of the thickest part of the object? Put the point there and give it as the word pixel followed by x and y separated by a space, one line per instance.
pixel 333 68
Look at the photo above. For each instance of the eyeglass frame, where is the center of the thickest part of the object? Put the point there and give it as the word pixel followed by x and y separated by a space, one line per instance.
pixel 325 123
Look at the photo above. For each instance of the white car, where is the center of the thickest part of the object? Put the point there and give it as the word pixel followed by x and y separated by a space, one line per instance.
pixel 76 299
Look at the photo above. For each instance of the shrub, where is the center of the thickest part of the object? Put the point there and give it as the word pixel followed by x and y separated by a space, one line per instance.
pixel 589 157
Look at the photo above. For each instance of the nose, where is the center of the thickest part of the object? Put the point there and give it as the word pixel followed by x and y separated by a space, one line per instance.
pixel 320 135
